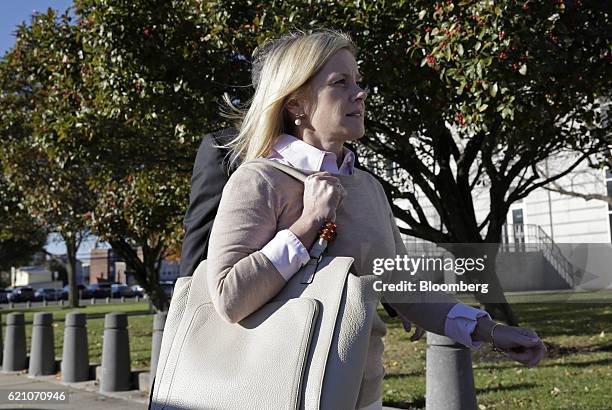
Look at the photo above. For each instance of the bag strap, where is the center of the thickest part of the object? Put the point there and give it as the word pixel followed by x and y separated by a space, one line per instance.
pixel 282 167
pixel 320 245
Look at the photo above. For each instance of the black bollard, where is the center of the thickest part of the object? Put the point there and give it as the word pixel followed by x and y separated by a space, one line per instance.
pixel 42 351
pixel 116 366
pixel 158 332
pixel 14 356
pixel 75 354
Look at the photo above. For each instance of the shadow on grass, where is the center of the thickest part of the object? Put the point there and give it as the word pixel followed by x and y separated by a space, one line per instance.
pixel 505 388
pixel 602 362
pixel 418 403
pixel 409 374
pixel 576 319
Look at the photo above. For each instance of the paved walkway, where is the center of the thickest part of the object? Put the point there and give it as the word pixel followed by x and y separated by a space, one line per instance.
pixel 82 395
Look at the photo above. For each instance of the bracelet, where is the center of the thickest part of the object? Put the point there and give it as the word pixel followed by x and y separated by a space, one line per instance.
pixel 328 231
pixel 495 348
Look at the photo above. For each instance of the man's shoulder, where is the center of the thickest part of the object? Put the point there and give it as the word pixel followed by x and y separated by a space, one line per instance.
pixel 221 137
pixel 211 156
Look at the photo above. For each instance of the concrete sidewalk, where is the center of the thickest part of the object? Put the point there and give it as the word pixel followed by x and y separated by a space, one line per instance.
pixel 82 395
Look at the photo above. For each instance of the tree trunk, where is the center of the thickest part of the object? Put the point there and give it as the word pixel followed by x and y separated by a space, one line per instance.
pixel 494 301
pixel 158 295
pixel 71 250
pixel 145 271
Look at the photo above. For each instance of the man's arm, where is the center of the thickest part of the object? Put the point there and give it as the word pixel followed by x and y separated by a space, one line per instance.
pixel 210 174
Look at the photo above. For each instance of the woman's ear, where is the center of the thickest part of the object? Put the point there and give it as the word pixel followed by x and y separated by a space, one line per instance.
pixel 294 107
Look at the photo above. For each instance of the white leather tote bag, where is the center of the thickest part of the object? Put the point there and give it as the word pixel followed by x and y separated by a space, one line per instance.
pixel 305 349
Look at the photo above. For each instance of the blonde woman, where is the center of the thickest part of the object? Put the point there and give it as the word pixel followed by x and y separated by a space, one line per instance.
pixel 307 104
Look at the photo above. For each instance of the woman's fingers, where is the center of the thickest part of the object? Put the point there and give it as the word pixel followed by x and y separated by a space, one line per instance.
pixel 418 333
pixel 520 355
pixel 522 345
pixel 527 356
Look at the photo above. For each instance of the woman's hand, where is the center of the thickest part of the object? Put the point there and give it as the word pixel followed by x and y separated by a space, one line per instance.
pixel 520 344
pixel 323 193
pixel 418 331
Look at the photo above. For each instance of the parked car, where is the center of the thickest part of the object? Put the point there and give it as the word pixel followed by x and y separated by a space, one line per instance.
pixel 100 290
pixel 120 290
pixel 3 298
pixel 138 290
pixel 84 293
pixel 21 294
pixel 48 294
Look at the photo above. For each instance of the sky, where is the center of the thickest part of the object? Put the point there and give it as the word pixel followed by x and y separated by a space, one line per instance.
pixel 13 12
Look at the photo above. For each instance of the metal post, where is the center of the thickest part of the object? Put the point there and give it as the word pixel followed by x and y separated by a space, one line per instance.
pixel 158 332
pixel 116 366
pixel 42 351
pixel 75 353
pixel 450 380
pixel 14 356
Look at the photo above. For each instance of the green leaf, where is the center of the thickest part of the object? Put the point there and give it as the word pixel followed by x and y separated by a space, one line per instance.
pixel 493 90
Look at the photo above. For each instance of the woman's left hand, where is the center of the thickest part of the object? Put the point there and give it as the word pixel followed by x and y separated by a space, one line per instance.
pixel 520 344
pixel 418 331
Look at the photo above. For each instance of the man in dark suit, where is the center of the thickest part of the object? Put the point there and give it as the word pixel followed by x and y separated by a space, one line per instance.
pixel 210 174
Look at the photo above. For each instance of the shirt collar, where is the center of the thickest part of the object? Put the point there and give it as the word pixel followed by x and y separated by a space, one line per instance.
pixel 305 156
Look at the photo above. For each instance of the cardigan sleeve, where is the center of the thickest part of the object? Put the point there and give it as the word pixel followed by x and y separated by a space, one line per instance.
pixel 240 277
pixel 428 310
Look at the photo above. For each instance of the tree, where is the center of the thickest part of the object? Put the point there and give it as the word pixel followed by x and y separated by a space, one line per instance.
pixel 152 74
pixel 40 83
pixel 20 235
pixel 465 95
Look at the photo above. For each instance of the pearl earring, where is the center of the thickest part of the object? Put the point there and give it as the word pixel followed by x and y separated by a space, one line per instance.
pixel 298 120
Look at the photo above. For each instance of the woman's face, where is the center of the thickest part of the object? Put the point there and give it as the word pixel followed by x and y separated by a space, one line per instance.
pixel 336 107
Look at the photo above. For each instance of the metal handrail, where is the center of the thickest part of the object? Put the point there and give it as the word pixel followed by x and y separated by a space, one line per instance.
pixel 522 237
pixel 515 238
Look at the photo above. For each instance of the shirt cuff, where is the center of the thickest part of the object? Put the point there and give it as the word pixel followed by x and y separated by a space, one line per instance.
pixel 287 253
pixel 461 323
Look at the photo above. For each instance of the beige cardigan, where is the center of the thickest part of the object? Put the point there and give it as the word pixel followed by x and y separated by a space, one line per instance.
pixel 260 200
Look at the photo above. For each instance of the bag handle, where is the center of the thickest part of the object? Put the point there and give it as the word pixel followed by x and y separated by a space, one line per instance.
pixel 320 245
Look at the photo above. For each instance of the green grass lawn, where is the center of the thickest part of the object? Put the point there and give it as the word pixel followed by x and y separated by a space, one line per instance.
pixel 577 374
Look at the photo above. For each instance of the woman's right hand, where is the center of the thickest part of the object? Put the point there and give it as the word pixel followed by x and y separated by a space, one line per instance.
pixel 323 193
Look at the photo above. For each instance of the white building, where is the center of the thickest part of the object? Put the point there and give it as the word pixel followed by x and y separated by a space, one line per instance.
pixel 34 276
pixel 573 235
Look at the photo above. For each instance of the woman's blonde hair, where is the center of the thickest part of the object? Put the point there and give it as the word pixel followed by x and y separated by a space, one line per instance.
pixel 281 70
